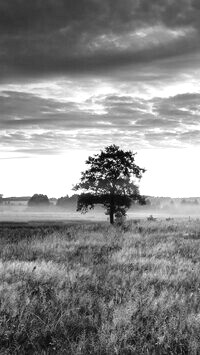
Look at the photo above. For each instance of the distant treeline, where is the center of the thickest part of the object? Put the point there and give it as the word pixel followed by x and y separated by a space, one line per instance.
pixel 15 199
pixel 43 200
pixel 69 201
pixel 40 199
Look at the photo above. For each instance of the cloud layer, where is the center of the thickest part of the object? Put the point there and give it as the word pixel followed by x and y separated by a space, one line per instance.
pixel 72 36
pixel 32 124
pixel 88 73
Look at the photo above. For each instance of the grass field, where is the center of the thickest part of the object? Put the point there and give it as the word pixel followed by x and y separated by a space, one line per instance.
pixel 88 288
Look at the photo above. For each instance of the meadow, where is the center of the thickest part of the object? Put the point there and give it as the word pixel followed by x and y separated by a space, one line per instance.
pixel 91 288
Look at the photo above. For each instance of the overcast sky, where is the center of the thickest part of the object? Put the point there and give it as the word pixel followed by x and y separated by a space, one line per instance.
pixel 77 75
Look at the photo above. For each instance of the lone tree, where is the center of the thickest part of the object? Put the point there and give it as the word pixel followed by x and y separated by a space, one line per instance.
pixel 109 181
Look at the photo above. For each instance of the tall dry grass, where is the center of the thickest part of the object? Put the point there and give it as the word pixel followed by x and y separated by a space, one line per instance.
pixel 96 289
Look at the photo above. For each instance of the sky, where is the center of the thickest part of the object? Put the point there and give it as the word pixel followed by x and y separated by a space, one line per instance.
pixel 79 75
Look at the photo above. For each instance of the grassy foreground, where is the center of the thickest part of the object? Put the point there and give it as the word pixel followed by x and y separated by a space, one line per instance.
pixel 96 289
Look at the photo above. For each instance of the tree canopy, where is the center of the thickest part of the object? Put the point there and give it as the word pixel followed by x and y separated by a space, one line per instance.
pixel 38 200
pixel 109 181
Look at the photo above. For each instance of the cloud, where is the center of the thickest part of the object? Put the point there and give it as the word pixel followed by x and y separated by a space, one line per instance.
pixel 23 110
pixel 183 108
pixel 93 36
pixel 31 124
pixel 37 16
pixel 192 137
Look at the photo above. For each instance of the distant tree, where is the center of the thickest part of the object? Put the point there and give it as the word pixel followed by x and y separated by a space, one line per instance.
pixel 148 202
pixel 108 181
pixel 38 200
pixel 63 201
pixel 74 198
pixel 1 198
pixel 195 202
pixel 67 201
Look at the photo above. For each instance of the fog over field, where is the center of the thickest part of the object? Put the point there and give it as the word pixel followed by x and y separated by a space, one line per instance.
pixel 53 213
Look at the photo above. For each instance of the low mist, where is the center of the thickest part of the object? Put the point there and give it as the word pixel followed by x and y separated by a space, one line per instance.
pixel 156 207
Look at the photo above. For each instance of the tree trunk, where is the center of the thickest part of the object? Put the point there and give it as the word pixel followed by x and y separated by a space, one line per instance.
pixel 111 209
pixel 111 216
